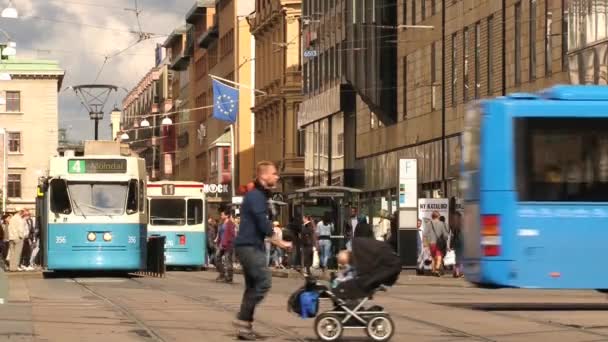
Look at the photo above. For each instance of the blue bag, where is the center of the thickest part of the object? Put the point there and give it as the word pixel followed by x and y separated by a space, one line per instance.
pixel 309 304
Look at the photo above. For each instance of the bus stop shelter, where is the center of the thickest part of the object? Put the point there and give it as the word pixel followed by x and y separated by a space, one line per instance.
pixel 316 201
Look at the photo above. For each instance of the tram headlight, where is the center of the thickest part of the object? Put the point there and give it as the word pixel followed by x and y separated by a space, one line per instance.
pixel 107 236
pixel 91 236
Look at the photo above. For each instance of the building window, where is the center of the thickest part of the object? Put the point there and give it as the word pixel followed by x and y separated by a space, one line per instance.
pixel 13 101
pixel 490 63
pixel 454 70
pixel 414 12
pixel 548 38
pixel 340 144
pixel 433 7
pixel 404 14
pixel 532 47
pixel 518 43
pixel 14 142
pixel 564 36
pixel 465 64
pixel 477 57
pixel 14 186
pixel 226 159
pixel 433 74
pixel 423 9
pixel 404 87
pixel 301 142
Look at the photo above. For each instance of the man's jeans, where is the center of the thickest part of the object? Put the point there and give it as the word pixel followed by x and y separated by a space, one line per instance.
pixel 257 280
pixel 324 252
pixel 224 264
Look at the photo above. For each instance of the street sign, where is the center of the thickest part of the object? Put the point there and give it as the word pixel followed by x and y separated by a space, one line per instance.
pixel 97 166
pixel 310 53
pixel 408 183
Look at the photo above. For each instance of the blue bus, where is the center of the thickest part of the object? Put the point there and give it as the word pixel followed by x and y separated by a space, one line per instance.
pixel 535 186
pixel 177 211
pixel 94 216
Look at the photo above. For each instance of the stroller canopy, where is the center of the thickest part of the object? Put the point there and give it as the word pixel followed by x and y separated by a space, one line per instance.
pixel 376 263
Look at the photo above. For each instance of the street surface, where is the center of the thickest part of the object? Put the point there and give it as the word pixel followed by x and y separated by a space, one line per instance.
pixel 190 306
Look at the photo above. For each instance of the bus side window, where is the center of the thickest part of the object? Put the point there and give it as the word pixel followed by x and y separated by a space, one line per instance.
pixel 132 197
pixel 195 211
pixel 142 196
pixel 60 200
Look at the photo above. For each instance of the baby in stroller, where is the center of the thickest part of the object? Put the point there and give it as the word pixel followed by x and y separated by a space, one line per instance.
pixel 377 267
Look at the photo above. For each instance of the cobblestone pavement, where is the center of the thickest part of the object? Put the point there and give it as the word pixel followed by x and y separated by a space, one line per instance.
pixel 190 306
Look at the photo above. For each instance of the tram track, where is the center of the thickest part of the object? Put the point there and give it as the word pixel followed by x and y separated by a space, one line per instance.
pixel 454 333
pixel 145 330
pixel 279 329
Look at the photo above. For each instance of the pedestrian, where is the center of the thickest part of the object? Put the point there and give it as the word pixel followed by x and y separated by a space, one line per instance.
pixel 27 249
pixel 211 236
pixel 16 229
pixel 6 218
pixel 456 243
pixel 226 248
pixel 309 243
pixel 436 237
pixel 383 229
pixel 325 228
pixel 294 231
pixel 350 227
pixel 277 253
pixel 218 251
pixel 254 228
pixel 34 239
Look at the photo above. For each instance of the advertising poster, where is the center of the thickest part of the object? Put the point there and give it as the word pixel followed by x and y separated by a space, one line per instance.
pixel 426 206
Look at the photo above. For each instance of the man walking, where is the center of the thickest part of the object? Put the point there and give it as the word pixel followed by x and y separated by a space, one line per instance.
pixel 226 248
pixel 16 235
pixel 250 249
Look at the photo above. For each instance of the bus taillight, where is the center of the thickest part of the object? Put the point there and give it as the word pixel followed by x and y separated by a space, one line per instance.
pixel 182 239
pixel 490 235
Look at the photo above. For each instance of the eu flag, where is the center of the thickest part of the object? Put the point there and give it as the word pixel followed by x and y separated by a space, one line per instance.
pixel 225 102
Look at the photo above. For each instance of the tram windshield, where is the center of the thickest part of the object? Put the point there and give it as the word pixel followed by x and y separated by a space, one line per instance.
pixel 168 211
pixel 97 199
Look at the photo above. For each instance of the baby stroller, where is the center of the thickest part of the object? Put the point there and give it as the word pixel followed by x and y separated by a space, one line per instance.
pixel 377 267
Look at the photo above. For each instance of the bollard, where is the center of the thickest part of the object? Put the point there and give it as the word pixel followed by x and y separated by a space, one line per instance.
pixel 155 263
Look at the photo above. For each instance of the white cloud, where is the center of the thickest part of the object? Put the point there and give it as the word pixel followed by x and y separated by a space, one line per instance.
pixel 79 33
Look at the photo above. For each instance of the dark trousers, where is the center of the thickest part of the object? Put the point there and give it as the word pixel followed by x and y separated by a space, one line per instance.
pixel 257 280
pixel 224 263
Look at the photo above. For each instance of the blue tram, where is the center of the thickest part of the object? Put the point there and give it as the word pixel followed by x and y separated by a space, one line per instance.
pixel 94 215
pixel 177 211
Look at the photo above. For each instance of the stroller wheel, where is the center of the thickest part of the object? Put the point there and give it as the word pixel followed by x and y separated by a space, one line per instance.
pixel 380 328
pixel 328 327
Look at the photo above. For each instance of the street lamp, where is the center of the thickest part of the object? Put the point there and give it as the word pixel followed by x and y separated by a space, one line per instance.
pixel 144 123
pixel 124 136
pixel 10 11
pixel 167 121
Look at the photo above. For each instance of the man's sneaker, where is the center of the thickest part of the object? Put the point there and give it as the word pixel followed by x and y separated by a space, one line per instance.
pixel 246 335
pixel 30 268
pixel 220 279
pixel 237 323
pixel 229 281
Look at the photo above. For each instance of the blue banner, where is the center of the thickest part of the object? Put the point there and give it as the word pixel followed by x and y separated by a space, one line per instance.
pixel 225 102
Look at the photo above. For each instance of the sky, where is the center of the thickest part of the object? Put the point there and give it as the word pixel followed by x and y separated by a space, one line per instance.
pixel 79 34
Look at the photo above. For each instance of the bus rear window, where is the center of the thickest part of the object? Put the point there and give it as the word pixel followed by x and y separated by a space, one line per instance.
pixel 562 160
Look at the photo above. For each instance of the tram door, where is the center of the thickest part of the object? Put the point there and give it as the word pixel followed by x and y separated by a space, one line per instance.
pixel 42 221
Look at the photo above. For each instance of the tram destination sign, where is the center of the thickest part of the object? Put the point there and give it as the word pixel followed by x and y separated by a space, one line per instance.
pixel 97 166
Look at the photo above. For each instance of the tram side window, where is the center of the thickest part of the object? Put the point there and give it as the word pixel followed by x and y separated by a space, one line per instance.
pixel 60 200
pixel 195 211
pixel 562 160
pixel 132 197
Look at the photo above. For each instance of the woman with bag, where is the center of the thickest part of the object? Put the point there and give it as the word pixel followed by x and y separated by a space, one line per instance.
pixel 436 237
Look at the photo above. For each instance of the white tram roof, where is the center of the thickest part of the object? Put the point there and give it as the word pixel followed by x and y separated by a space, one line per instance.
pixel 94 165
pixel 176 188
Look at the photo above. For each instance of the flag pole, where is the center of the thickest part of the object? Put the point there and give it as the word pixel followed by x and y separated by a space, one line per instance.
pixel 232 177
pixel 237 84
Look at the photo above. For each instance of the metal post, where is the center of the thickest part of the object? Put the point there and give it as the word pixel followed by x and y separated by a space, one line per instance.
pixel 232 160
pixel 443 104
pixel 96 129
pixel 5 168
